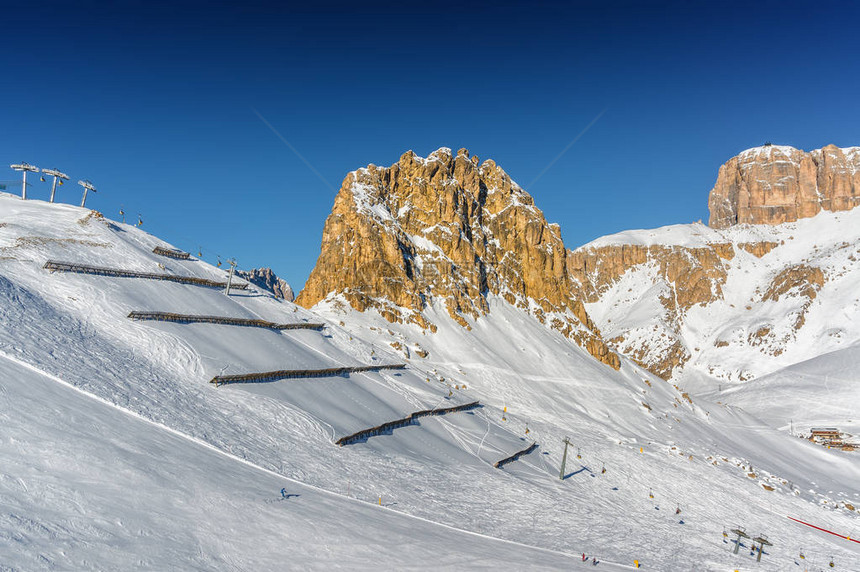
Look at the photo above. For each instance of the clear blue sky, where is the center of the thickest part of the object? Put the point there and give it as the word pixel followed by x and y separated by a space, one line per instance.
pixel 154 103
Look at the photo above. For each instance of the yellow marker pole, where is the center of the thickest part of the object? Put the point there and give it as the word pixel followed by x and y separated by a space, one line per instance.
pixel 380 500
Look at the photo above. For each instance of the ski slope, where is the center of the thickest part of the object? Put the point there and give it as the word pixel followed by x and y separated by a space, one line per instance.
pixel 708 450
pixel 85 484
pixel 818 392
pixel 241 443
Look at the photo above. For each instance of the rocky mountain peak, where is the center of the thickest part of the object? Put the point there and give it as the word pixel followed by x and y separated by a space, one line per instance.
pixel 773 184
pixel 451 231
pixel 267 280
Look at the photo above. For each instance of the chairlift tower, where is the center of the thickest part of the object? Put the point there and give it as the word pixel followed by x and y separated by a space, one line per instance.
pixel 762 542
pixel 25 168
pixel 564 458
pixel 88 186
pixel 232 263
pixel 741 534
pixel 57 175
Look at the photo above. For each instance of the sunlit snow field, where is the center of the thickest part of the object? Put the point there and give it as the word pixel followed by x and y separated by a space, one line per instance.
pixel 117 452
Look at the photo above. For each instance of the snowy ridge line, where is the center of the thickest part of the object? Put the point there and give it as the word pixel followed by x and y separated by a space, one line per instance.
pixel 188 319
pixel 219 380
pixel 171 253
pixel 214 449
pixel 56 266
pixel 397 423
pixel 515 456
pixel 824 530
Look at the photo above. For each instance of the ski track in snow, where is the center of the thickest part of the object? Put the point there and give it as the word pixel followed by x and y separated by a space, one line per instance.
pixel 294 485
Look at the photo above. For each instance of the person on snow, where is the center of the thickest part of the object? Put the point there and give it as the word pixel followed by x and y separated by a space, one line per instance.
pixel 584 557
pixel 284 493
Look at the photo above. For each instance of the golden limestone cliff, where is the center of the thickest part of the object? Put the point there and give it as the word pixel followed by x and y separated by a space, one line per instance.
pixel 775 184
pixel 447 230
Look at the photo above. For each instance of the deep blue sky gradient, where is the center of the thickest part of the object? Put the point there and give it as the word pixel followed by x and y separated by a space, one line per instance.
pixel 154 103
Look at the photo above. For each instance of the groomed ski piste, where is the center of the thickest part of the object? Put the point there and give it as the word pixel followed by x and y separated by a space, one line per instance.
pixel 117 452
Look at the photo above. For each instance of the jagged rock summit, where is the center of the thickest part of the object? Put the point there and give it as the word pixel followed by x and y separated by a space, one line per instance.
pixel 268 280
pixel 774 184
pixel 452 231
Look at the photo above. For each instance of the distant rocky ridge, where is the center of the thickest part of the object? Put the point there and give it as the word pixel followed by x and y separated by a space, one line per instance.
pixel 775 184
pixel 767 185
pixel 449 230
pixel 267 280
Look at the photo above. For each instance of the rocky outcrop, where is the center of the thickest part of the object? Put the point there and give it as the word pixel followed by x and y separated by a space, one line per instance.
pixel 776 184
pixel 267 280
pixel 758 249
pixel 449 230
pixel 688 276
pixel 695 274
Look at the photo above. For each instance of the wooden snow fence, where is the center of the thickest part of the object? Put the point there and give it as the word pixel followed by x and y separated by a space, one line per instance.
pixel 55 266
pixel 171 253
pixel 266 376
pixel 515 456
pixel 189 319
pixel 391 425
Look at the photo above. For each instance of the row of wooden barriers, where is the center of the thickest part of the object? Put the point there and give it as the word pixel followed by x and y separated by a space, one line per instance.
pixel 269 376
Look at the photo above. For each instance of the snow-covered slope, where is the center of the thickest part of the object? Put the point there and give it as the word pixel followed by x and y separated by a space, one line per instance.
pixel 192 487
pixel 703 457
pixel 797 300
pixel 818 392
pixel 87 485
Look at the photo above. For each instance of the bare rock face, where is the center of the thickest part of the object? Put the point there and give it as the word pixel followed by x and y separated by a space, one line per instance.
pixel 267 280
pixel 775 184
pixel 451 230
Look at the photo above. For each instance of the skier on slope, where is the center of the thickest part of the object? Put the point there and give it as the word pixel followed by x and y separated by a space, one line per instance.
pixel 284 494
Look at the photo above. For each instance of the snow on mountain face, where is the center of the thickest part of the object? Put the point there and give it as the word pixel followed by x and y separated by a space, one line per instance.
pixel 728 305
pixel 449 230
pixel 732 302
